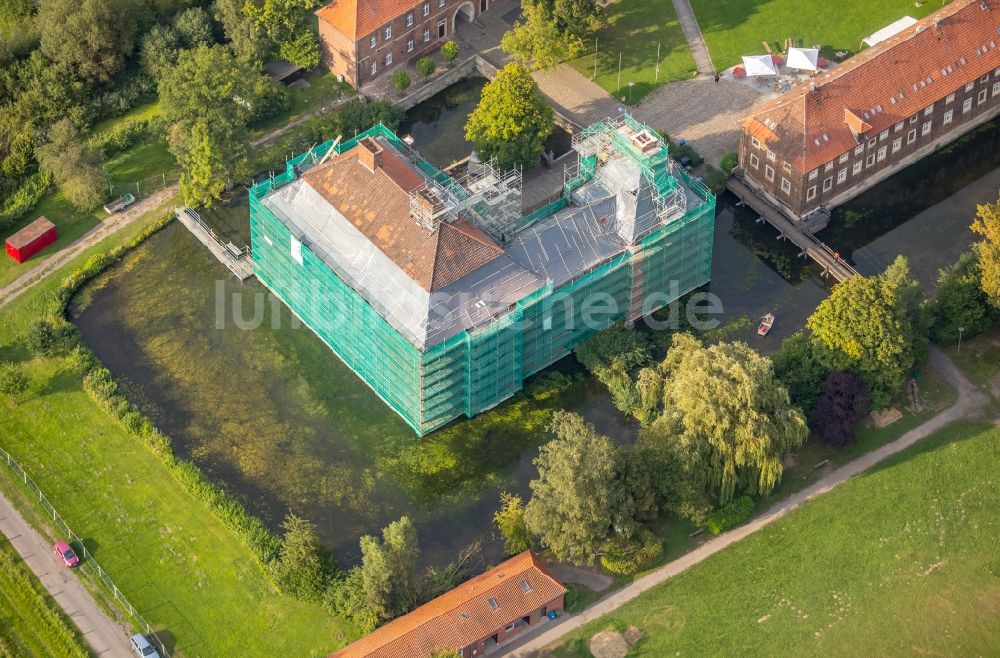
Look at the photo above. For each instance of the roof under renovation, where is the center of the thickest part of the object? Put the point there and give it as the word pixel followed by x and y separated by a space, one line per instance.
pixel 418 245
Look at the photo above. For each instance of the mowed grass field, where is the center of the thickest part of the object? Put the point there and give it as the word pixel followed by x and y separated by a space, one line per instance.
pixel 634 29
pixel 182 570
pixel 733 28
pixel 31 624
pixel 903 560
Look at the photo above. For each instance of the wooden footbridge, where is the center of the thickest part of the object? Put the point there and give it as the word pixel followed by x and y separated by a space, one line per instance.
pixel 799 234
pixel 236 259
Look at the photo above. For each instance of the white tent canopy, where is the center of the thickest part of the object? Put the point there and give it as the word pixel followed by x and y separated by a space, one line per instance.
pixel 758 65
pixel 890 30
pixel 803 58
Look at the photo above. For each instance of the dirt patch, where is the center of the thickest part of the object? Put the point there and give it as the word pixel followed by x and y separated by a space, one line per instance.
pixel 632 635
pixel 568 573
pixel 608 644
pixel 885 418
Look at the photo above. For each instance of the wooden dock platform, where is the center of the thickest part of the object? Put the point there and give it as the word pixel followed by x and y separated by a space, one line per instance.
pixel 236 259
pixel 831 262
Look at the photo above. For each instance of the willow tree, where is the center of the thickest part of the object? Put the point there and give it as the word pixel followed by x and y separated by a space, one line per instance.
pixel 724 415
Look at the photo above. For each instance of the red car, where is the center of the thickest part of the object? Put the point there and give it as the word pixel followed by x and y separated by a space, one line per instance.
pixel 65 553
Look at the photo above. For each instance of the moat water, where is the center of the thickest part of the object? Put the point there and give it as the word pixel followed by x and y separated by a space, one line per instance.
pixel 269 412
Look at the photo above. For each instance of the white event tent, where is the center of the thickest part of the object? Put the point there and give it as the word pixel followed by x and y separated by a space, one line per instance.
pixel 759 65
pixel 804 59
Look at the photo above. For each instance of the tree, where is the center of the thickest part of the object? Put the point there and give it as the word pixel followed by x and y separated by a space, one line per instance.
pixel 207 100
pixel 13 381
pixel 301 49
pixel 512 120
pixel 576 17
pixel 987 224
pixel 449 51
pixel 536 40
pixel 401 81
pixel 726 417
pixel 89 39
pixel 75 166
pixel 960 302
pixel 579 495
pixel 158 51
pixel 425 66
pixel 871 326
pixel 388 570
pixel 509 520
pixel 279 19
pixel 194 28
pixel 796 366
pixel 303 567
pixel 841 405
pixel 248 43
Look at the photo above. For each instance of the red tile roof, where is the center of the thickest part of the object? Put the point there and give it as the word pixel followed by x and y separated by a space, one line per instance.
pixel 357 19
pixel 378 204
pixel 882 85
pixel 464 615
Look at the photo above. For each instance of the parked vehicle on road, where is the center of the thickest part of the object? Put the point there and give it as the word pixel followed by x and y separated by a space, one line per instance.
pixel 65 553
pixel 143 647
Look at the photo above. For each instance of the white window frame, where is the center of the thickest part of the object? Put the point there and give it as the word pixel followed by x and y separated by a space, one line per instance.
pixel 950 98
pixel 899 126
pixel 427 9
pixel 897 144
pixel 856 169
pixel 409 45
pixel 982 97
pixel 387 32
pixel 427 34
pixel 870 160
pixel 929 110
pixel 859 149
pixel 813 174
pixel 841 175
pixel 754 161
pixel 388 58
pixel 913 119
pixel 373 41
pixel 770 156
pixel 844 156
pixel 754 142
pixel 828 184
pixel 440 3
pixel 409 19
pixel 828 166
pixel 769 172
pixel 996 88
pixel 970 86
pixel 811 193
pixel 881 154
pixel 871 143
pixel 948 116
pixel 374 67
pixel 911 136
pixel 967 106
pixel 786 185
pixel 926 128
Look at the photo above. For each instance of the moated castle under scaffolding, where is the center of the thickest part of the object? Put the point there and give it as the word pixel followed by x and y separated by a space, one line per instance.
pixel 440 294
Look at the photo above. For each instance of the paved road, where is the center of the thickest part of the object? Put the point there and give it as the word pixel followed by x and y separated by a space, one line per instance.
pixel 54 261
pixel 969 399
pixel 105 637
pixel 692 32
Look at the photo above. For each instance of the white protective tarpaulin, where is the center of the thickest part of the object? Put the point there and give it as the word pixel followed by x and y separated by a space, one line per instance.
pixel 804 59
pixel 890 30
pixel 759 65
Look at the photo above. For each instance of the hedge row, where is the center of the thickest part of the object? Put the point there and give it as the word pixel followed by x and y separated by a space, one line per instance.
pixel 24 198
pixel 730 515
pixel 102 387
pixel 628 558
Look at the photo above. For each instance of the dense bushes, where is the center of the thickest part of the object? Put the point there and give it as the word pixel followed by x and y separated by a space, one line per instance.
pixel 118 138
pixel 730 515
pixel 625 558
pixel 841 405
pixel 24 197
pixel 13 381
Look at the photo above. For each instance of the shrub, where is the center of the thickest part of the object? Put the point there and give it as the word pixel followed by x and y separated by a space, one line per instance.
pixel 25 197
pixel 82 360
pixel 715 179
pixel 119 137
pixel 40 338
pixel 730 515
pixel 729 162
pixel 426 67
pixel 401 81
pixel 840 406
pixel 625 558
pixel 13 381
pixel 449 51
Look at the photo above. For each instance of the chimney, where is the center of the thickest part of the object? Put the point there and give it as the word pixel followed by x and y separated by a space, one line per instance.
pixel 369 153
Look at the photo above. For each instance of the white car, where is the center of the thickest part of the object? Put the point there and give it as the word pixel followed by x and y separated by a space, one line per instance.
pixel 143 647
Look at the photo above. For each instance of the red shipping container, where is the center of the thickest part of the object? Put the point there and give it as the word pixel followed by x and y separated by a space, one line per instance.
pixel 31 239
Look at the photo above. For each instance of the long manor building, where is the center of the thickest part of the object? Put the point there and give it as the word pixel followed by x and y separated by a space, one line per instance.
pixel 823 143
pixel 436 289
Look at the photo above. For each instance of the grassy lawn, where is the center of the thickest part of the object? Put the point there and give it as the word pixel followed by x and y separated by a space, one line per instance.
pixel 980 359
pixel 323 88
pixel 144 112
pixel 899 561
pixel 181 569
pixel 31 624
pixel 733 28
pixel 634 29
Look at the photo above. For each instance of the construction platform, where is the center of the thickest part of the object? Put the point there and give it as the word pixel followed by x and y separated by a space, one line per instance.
pixel 236 259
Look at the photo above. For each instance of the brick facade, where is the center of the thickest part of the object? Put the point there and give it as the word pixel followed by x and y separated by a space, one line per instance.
pixel 822 144
pixel 413 32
